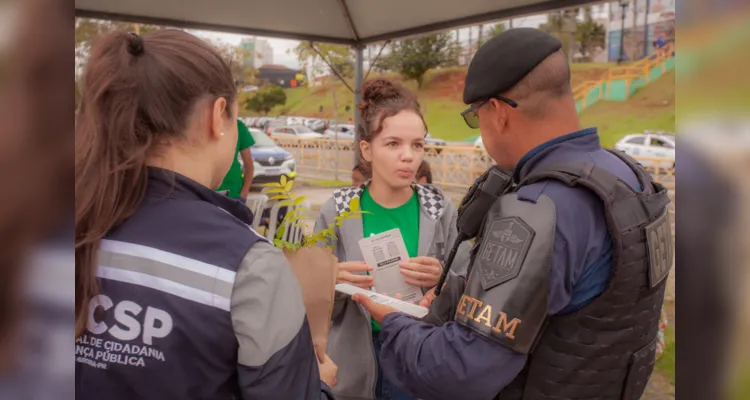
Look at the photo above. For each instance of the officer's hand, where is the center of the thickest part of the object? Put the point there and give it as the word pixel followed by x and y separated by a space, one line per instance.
pixel 377 311
pixel 328 370
pixel 346 274
pixel 422 271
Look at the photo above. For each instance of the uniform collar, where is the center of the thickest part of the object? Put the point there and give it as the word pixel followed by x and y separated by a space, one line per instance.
pixel 585 140
pixel 163 183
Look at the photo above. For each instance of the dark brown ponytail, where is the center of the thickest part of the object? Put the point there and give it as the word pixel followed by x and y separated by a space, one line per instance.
pixel 382 98
pixel 138 94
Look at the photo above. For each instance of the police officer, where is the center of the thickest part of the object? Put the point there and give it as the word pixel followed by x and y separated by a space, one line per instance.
pixel 567 275
pixel 176 296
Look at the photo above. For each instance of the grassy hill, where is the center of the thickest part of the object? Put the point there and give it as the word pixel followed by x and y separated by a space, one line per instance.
pixel 440 97
pixel 652 107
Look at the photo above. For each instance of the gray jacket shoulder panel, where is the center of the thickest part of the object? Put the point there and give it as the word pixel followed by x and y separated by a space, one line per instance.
pixel 506 295
pixel 266 305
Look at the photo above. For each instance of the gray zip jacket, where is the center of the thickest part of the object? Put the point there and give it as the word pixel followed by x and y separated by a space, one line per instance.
pixel 350 339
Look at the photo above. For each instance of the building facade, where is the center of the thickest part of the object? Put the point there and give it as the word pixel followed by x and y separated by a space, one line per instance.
pixel 258 52
pixel 652 18
pixel 280 75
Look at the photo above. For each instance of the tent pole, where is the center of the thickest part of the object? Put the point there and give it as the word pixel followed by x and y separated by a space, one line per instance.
pixel 358 67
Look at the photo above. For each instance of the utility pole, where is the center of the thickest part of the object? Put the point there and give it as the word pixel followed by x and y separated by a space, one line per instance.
pixel 621 58
pixel 633 33
pixel 335 131
pixel 645 28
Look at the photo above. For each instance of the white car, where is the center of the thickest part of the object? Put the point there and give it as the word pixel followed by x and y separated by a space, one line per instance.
pixel 346 132
pixel 650 145
pixel 294 132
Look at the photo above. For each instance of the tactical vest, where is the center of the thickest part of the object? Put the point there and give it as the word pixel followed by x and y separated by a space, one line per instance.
pixel 606 350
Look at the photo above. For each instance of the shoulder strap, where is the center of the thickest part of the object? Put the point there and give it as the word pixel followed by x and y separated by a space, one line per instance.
pixel 628 207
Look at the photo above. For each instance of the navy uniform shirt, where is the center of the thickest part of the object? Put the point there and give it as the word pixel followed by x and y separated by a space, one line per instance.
pixel 451 361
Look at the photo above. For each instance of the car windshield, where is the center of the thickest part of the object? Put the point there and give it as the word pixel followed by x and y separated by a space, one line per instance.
pixel 302 129
pixel 261 139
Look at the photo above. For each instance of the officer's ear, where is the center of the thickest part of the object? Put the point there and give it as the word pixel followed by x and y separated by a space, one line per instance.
pixel 500 111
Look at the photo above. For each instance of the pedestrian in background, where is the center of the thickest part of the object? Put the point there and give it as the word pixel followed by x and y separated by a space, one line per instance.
pixel 236 184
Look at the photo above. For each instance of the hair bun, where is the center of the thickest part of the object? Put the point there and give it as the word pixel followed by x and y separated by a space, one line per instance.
pixel 379 90
pixel 135 44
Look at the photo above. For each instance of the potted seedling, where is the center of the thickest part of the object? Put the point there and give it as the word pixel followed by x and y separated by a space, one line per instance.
pixel 310 257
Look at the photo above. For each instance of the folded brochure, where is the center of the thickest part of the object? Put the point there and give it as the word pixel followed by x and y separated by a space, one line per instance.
pixel 402 306
pixel 384 252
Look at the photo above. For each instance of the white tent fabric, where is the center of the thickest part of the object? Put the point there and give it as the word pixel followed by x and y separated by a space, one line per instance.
pixel 335 21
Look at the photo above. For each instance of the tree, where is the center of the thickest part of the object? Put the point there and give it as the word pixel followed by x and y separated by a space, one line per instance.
pixel 318 58
pixel 497 29
pixel 237 58
pixel 591 36
pixel 264 99
pixel 88 30
pixel 412 58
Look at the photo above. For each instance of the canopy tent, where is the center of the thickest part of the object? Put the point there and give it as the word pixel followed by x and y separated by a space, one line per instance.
pixel 352 22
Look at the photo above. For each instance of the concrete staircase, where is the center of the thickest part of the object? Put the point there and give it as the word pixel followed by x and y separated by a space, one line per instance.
pixel 621 82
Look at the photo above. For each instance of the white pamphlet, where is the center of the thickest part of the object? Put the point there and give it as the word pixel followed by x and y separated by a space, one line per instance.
pixel 384 252
pixel 407 308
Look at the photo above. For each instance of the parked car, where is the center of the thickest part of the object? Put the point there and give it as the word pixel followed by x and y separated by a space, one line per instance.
pixel 346 132
pixel 433 141
pixel 271 162
pixel 319 125
pixel 653 145
pixel 272 124
pixel 294 131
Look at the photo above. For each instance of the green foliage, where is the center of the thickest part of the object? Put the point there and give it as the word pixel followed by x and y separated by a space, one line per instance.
pixel 412 58
pixel 283 191
pixel 340 57
pixel 88 30
pixel 263 99
pixel 497 29
pixel 590 35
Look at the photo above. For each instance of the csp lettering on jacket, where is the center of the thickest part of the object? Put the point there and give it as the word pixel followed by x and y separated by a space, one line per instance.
pixel 129 341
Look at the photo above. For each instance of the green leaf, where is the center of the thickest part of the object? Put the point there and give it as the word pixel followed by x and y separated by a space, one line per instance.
pixel 278 197
pixel 276 190
pixel 338 224
pixel 354 204
pixel 338 218
pixel 282 182
pixel 345 214
pixel 288 186
pixel 278 243
pixel 299 200
pixel 286 203
pixel 272 184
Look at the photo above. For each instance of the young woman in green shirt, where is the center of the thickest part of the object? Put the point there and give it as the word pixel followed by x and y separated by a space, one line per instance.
pixel 392 143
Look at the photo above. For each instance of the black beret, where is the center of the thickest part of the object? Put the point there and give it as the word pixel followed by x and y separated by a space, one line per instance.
pixel 506 59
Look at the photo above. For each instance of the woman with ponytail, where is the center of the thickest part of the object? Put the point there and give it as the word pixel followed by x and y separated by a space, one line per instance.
pixel 392 139
pixel 176 297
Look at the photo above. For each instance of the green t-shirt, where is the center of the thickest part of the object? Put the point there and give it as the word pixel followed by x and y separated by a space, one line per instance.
pixel 381 219
pixel 235 177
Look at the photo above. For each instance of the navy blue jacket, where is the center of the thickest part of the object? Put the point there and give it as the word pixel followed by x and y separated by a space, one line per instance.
pixel 194 304
pixel 451 361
